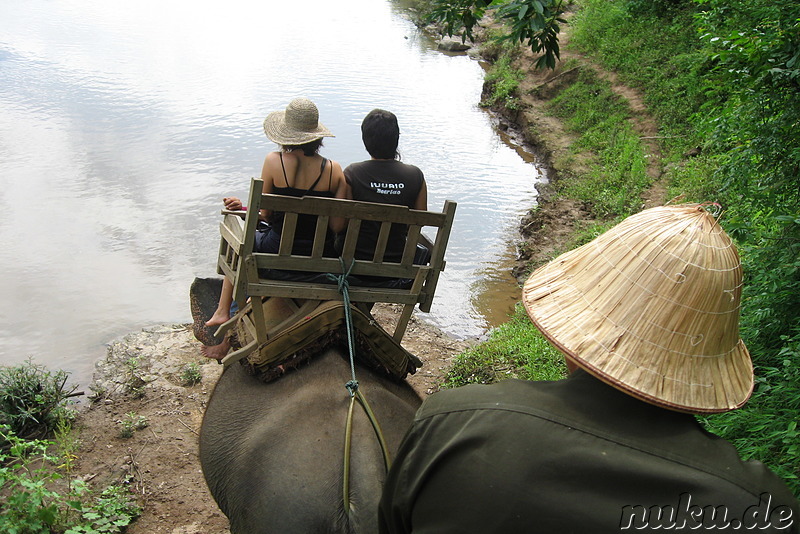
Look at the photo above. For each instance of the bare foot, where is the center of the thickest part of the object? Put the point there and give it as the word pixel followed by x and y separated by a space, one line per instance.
pixel 216 352
pixel 218 318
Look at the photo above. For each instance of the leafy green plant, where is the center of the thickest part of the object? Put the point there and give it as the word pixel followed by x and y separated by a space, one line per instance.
pixel 111 512
pixel 33 399
pixel 35 502
pixel 191 375
pixel 134 383
pixel 533 22
pixel 131 423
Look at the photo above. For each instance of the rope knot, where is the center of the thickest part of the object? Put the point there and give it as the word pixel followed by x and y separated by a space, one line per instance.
pixel 352 387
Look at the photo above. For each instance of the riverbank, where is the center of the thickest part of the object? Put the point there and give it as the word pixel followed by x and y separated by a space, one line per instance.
pixel 554 224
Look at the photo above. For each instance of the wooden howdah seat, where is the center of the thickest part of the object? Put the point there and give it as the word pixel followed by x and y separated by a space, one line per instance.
pixel 275 292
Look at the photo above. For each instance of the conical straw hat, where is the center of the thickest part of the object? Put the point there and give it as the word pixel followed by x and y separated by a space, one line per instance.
pixel 652 308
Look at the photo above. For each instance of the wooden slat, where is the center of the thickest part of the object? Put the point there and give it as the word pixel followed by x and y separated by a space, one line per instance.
pixel 437 256
pixel 287 234
pixel 224 269
pixel 351 240
pixel 332 265
pixel 320 233
pixel 302 290
pixel 351 209
pixel 383 240
pixel 234 242
pixel 410 248
pixel 250 224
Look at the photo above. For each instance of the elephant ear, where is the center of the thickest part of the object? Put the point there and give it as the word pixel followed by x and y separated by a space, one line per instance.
pixel 203 298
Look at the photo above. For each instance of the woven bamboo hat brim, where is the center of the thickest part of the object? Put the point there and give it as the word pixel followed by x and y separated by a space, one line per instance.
pixel 298 124
pixel 652 308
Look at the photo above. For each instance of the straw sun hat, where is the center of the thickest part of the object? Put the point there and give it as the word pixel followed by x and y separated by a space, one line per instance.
pixel 652 308
pixel 297 125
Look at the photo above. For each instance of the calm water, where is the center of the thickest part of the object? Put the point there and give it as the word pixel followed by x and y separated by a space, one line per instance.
pixel 122 125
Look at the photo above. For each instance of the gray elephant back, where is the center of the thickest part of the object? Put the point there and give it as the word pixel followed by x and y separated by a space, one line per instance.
pixel 273 454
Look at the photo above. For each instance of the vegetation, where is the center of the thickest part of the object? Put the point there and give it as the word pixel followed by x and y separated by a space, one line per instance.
pixel 532 22
pixel 722 77
pixel 516 349
pixel 191 375
pixel 33 400
pixel 616 177
pixel 131 423
pixel 725 77
pixel 38 492
pixel 502 81
pixel 37 500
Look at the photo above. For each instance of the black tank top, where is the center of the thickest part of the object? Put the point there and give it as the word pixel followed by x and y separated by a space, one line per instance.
pixel 306 224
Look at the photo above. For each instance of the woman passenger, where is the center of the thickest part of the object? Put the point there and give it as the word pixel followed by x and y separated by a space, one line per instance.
pixel 295 170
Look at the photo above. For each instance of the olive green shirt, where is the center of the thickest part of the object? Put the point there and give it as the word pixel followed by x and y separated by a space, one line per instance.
pixel 574 455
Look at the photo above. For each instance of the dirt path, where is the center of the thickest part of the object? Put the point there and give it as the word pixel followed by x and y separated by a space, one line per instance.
pixel 160 462
pixel 552 223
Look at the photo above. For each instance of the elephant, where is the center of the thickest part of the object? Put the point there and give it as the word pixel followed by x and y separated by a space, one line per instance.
pixel 273 453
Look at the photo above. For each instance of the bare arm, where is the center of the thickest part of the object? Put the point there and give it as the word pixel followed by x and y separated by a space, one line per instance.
pixel 422 198
pixel 266 177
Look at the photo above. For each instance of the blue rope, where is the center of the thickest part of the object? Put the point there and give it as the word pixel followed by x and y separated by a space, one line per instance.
pixel 344 289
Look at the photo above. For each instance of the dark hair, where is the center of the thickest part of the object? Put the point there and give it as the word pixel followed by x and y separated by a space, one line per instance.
pixel 381 133
pixel 309 149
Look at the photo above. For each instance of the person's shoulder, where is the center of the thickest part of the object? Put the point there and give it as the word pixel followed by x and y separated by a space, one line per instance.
pixel 273 156
pixel 335 165
pixel 354 167
pixel 411 169
pixel 357 164
pixel 500 395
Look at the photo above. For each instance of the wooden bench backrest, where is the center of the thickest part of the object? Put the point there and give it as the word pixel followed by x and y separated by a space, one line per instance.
pixel 241 265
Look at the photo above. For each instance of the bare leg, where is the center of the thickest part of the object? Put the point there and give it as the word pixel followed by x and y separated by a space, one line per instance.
pixel 223 311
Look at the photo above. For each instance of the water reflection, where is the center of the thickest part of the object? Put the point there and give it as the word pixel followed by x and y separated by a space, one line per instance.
pixel 124 124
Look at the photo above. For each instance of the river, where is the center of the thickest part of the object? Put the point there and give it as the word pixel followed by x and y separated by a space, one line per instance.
pixel 123 125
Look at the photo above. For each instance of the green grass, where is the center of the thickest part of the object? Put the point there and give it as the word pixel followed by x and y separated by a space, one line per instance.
pixel 659 55
pixel 503 81
pixel 515 349
pixel 617 173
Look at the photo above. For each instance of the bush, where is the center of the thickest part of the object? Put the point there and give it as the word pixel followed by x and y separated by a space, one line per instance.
pixel 502 82
pixel 33 399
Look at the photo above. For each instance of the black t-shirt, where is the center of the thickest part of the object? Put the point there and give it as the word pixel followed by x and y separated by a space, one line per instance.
pixel 385 182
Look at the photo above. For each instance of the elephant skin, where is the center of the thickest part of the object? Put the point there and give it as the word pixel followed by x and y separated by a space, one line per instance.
pixel 272 454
